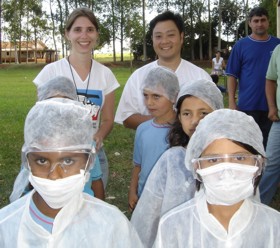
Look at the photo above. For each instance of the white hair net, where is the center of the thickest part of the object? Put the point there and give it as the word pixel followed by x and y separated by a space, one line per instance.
pixel 56 125
pixel 58 86
pixel 224 123
pixel 163 81
pixel 52 125
pixel 205 90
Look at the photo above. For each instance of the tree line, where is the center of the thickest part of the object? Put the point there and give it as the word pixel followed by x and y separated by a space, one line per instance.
pixel 209 24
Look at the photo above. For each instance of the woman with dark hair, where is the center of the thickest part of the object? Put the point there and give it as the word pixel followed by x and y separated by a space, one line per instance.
pixel 218 64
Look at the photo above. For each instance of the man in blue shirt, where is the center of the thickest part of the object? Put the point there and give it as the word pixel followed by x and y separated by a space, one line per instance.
pixel 246 70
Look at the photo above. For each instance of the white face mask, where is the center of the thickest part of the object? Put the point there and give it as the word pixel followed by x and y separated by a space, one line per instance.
pixel 57 193
pixel 228 183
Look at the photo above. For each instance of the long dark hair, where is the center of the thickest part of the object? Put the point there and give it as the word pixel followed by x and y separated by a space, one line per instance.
pixel 176 135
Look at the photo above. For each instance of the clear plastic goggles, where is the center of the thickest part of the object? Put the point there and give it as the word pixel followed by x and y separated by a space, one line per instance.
pixel 43 163
pixel 229 171
pixel 245 159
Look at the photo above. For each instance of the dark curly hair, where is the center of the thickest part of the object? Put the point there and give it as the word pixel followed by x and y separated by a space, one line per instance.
pixel 176 135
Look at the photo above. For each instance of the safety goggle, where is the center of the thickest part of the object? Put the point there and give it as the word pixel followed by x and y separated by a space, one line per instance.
pixel 241 158
pixel 44 163
pixel 241 166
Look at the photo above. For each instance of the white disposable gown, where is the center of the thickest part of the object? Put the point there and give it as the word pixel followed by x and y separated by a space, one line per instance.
pixel 169 184
pixel 191 225
pixel 84 222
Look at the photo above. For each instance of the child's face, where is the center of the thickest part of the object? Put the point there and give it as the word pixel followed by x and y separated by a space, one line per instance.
pixel 157 105
pixel 191 112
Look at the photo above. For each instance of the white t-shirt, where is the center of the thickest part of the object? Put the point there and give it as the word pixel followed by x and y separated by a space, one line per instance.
pixel 218 64
pixel 132 101
pixel 100 83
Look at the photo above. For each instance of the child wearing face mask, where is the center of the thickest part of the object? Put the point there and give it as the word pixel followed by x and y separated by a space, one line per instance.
pixel 170 183
pixel 59 87
pixel 59 154
pixel 160 91
pixel 227 157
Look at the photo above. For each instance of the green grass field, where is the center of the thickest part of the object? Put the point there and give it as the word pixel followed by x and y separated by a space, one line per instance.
pixel 18 95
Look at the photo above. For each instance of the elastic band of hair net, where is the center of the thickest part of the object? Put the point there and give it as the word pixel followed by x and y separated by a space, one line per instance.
pixel 205 90
pixel 21 181
pixel 224 123
pixel 54 125
pixel 57 87
pixel 162 81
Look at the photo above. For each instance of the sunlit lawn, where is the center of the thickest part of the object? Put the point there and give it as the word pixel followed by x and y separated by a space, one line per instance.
pixel 17 96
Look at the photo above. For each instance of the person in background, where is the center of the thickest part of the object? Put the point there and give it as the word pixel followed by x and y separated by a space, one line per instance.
pixel 167 31
pixel 226 155
pixel 94 82
pixel 170 183
pixel 246 69
pixel 218 64
pixel 59 152
pixel 160 90
pixel 271 177
pixel 59 87
pixel 215 79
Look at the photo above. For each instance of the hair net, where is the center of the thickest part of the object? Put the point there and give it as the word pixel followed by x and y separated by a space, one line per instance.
pixel 163 81
pixel 224 123
pixel 52 125
pixel 21 181
pixel 58 125
pixel 58 86
pixel 205 90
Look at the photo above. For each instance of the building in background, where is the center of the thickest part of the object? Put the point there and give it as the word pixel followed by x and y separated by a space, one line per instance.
pixel 28 52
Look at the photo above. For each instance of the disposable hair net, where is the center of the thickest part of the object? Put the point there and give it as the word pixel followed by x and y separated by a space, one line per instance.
pixel 162 81
pixel 54 125
pixel 224 123
pixel 205 90
pixel 21 181
pixel 58 86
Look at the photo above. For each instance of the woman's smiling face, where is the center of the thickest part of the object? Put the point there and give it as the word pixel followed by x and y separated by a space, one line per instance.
pixel 83 35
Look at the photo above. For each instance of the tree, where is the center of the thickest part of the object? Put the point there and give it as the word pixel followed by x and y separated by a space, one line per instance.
pixel 210 29
pixel 144 30
pixel 11 17
pixel 20 17
pixel 226 13
pixel 34 17
pixel 199 8
pixel 270 6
